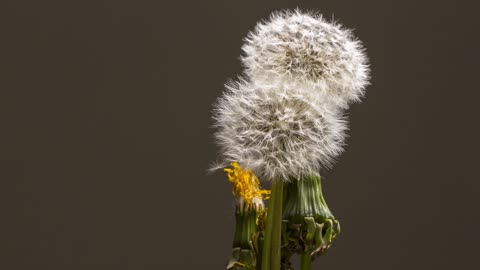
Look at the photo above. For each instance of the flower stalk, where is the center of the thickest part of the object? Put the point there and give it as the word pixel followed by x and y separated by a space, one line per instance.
pixel 271 259
pixel 306 261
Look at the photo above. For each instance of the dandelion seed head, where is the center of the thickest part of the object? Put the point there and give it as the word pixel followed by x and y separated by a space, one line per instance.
pixel 294 49
pixel 277 133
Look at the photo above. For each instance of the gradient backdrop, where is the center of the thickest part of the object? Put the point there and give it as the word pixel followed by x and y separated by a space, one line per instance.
pixel 105 135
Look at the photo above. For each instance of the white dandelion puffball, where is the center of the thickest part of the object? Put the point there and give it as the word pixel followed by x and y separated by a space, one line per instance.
pixel 277 133
pixel 295 49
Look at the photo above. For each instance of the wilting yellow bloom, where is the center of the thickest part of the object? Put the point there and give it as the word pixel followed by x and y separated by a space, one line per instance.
pixel 245 183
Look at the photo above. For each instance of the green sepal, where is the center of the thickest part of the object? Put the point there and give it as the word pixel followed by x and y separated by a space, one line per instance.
pixel 311 226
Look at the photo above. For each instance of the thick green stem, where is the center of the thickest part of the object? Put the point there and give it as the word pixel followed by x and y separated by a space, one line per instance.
pixel 277 228
pixel 271 254
pixel 267 241
pixel 306 261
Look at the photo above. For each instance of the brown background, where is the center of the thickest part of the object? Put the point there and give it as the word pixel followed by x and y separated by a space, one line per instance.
pixel 105 135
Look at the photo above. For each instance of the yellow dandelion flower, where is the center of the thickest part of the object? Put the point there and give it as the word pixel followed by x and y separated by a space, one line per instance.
pixel 245 183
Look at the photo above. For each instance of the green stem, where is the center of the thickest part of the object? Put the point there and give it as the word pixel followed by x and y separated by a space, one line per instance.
pixel 306 261
pixel 271 257
pixel 267 240
pixel 277 228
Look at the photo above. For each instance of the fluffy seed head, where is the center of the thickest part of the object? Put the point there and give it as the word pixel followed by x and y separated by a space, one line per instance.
pixel 295 49
pixel 276 132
